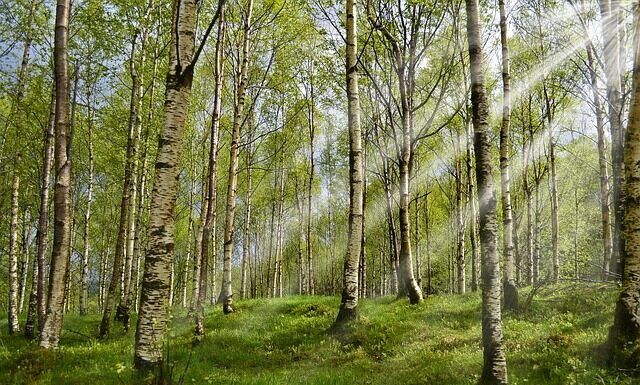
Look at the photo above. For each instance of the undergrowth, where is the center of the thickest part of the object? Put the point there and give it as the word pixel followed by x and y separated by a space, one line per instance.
pixel 556 339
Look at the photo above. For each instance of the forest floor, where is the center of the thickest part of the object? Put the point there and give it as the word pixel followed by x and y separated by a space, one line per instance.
pixel 555 338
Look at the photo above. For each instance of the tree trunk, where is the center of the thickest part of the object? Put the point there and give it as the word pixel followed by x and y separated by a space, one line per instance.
pixel 196 264
pixel 495 365
pixel 84 271
pixel 245 238
pixel 553 184
pixel 37 304
pixel 537 230
pixel 362 279
pixel 24 262
pixel 143 188
pixel 12 307
pixel 625 332
pixel 312 129
pixel 528 194
pixel 119 275
pixel 393 237
pixel 427 231
pixel 247 211
pixel 417 238
pixel 510 289
pixel 349 303
pixel 52 326
pixel 461 284
pixel 405 263
pixel 471 196
pixel 152 320
pixel 602 163
pixel 241 76
pixel 277 281
pixel 610 19
pixel 555 252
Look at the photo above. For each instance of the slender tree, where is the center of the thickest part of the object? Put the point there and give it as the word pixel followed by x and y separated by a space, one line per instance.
pixel 495 365
pixel 211 203
pixel 510 289
pixel 52 326
pixel 37 297
pixel 610 20
pixel 12 308
pixel 238 114
pixel 349 304
pixel 84 269
pixel 153 316
pixel 624 335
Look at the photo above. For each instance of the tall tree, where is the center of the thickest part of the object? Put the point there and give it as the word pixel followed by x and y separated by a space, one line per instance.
pixel 84 269
pixel 349 303
pixel 238 115
pixel 12 308
pixel 625 332
pixel 610 20
pixel 510 290
pixel 50 335
pixel 211 203
pixel 153 316
pixel 121 258
pixel 495 365
pixel 37 299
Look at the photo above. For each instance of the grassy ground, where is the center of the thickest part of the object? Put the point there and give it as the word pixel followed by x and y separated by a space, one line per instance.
pixel 553 340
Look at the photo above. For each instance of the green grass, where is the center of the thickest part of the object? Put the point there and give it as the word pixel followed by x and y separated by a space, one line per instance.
pixel 555 340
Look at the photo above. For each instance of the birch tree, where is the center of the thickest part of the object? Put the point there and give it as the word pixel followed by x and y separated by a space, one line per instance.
pixel 494 370
pixel 153 314
pixel 624 335
pixel 52 326
pixel 238 115
pixel 349 303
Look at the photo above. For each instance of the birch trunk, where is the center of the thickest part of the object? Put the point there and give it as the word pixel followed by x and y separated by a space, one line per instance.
pixel 460 225
pixel 153 317
pixel 528 194
pixel 84 270
pixel 210 207
pixel 605 212
pixel 119 274
pixel 495 366
pixel 312 129
pixel 510 289
pixel 277 282
pixel 52 326
pixel 625 332
pixel 26 254
pixel 349 303
pixel 473 216
pixel 247 211
pixel 12 307
pixel 362 279
pixel 610 19
pixel 227 292
pixel 37 296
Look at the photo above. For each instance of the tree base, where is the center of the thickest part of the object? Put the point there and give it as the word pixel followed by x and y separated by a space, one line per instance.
pixel 123 314
pixel 154 368
pixel 345 317
pixel 510 296
pixel 623 345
